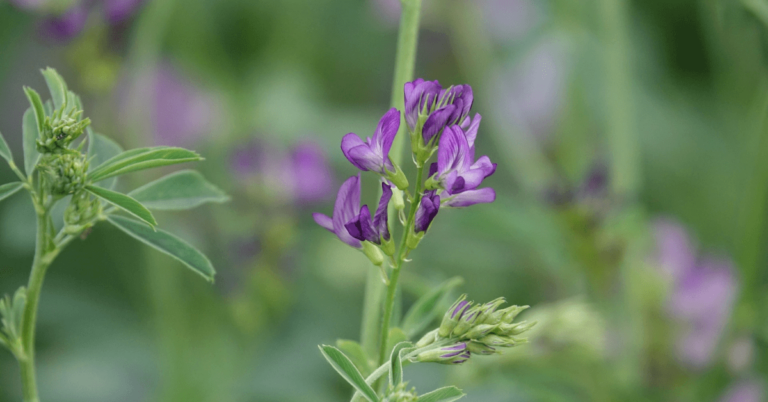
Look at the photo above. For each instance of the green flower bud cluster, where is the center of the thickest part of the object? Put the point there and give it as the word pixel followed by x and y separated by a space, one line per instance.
pixel 64 173
pixel 81 213
pixel 401 394
pixel 60 129
pixel 482 327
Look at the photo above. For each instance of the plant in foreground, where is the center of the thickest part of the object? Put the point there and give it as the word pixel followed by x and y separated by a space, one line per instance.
pixel 61 165
pixel 438 123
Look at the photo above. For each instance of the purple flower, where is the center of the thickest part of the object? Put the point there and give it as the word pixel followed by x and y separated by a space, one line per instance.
pixel 428 208
pixel 373 230
pixel 311 176
pixel 346 209
pixel 745 391
pixel 65 26
pixel 427 101
pixel 117 11
pixel 373 155
pixel 703 293
pixel 456 170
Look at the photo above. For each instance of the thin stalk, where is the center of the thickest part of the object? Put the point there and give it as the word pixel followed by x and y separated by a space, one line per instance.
pixel 402 253
pixel 40 264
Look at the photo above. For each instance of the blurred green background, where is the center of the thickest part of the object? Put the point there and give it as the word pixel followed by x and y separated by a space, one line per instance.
pixel 632 145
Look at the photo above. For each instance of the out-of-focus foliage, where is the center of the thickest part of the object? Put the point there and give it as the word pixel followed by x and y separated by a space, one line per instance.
pixel 631 139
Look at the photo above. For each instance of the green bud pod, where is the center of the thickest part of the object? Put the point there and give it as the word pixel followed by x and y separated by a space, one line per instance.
pixel 452 316
pixel 373 253
pixel 512 312
pixel 481 348
pixel 467 321
pixel 400 394
pixel 388 247
pixel 64 173
pixel 398 178
pixel 454 354
pixel 498 341
pixel 414 239
pixel 81 213
pixel 428 338
pixel 488 309
pixel 397 199
pixel 432 183
pixel 516 328
pixel 479 331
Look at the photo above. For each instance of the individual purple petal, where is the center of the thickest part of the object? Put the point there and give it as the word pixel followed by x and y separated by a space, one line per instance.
pixel 470 127
pixel 380 218
pixel 361 227
pixel 435 123
pixel 365 159
pixel 472 197
pixel 346 209
pixel 428 208
pixel 65 26
pixel 373 155
pixel 386 131
pixel 349 142
pixel 484 163
pixel 462 97
pixel 452 151
pixel 324 221
pixel 459 309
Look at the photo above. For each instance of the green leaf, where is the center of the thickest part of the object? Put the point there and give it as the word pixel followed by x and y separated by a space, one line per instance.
pixel 446 394
pixel 396 364
pixel 143 158
pixel 396 335
pixel 5 151
pixel 166 243
pixel 9 189
pixel 425 310
pixel 355 352
pixel 56 86
pixel 181 190
pixel 30 133
pixel 101 149
pixel 124 202
pixel 37 107
pixel 348 371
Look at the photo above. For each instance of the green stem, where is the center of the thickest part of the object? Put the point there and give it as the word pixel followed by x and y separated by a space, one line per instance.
pixel 402 253
pixel 39 265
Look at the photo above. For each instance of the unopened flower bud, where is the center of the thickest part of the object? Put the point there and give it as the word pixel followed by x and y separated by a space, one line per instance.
pixel 488 310
pixel 467 321
pixel 479 348
pixel 81 213
pixel 400 394
pixel 454 354
pixel 397 199
pixel 373 253
pixel 60 129
pixel 501 341
pixel 516 328
pixel 64 173
pixel 479 331
pixel 428 338
pixel 452 316
pixel 510 313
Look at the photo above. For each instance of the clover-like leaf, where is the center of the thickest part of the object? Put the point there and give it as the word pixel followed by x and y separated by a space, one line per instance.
pixel 355 352
pixel 5 151
pixel 30 134
pixel 142 158
pixel 180 190
pixel 396 364
pixel 425 310
pixel 57 86
pixel 167 243
pixel 123 202
pixel 446 394
pixel 9 189
pixel 101 149
pixel 343 365
pixel 37 107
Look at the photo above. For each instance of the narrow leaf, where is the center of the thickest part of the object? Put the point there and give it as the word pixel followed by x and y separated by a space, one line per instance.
pixel 5 151
pixel 9 189
pixel 30 133
pixel 143 158
pixel 124 202
pixel 56 86
pixel 101 149
pixel 37 107
pixel 396 364
pixel 166 243
pixel 425 310
pixel 355 352
pixel 181 190
pixel 446 394
pixel 348 371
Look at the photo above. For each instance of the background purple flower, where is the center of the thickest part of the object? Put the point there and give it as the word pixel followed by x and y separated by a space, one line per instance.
pixel 703 293
pixel 65 26
pixel 509 19
pixel 117 11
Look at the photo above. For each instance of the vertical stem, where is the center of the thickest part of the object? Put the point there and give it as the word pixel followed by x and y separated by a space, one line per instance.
pixel 36 277
pixel 369 333
pixel 622 139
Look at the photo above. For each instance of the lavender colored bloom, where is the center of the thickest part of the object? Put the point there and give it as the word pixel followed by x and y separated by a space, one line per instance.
pixel 311 176
pixel 745 391
pixel 437 106
pixel 65 26
pixel 703 293
pixel 117 11
pixel 373 230
pixel 346 209
pixel 456 172
pixel 428 208
pixel 373 154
